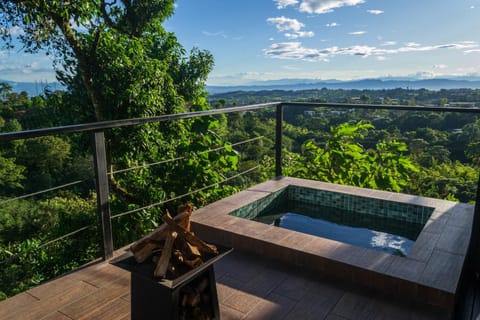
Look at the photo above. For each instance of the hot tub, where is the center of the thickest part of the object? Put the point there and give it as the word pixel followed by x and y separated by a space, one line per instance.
pixel 428 274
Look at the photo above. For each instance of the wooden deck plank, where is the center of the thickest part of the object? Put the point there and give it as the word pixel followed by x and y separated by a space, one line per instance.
pixel 226 288
pixel 227 313
pixel 90 304
pixel 274 306
pixel 43 307
pixel 55 286
pixel 242 301
pixel 103 274
pixel 11 305
pixel 116 310
pixel 354 306
pixel 316 303
pixel 56 316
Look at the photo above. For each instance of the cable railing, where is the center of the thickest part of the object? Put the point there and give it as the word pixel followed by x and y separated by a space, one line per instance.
pixel 100 160
pixel 39 133
pixel 148 165
pixel 153 205
pixel 37 193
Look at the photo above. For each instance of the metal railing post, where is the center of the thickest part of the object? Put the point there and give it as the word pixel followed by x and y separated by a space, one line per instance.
pixel 474 247
pixel 101 184
pixel 278 141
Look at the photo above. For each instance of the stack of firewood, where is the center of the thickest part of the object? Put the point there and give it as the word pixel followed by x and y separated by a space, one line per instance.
pixel 172 246
pixel 195 300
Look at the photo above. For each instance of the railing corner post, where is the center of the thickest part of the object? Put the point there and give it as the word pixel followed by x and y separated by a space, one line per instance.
pixel 101 184
pixel 278 141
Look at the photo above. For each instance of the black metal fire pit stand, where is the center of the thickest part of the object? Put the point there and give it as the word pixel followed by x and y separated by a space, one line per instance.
pixel 153 300
pixel 160 299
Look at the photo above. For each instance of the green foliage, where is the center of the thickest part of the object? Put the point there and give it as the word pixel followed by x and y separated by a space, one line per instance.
pixel 473 152
pixel 11 175
pixel 343 159
pixel 453 181
pixel 44 158
pixel 25 225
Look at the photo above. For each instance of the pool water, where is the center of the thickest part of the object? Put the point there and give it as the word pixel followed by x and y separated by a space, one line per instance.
pixel 363 230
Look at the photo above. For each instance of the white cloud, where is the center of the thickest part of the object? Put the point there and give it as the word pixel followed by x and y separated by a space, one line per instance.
pixel 282 4
pixel 296 51
pixel 389 43
pixel 357 33
pixel 290 68
pixel 375 12
pixel 440 66
pixel 325 6
pixel 412 44
pixel 293 25
pixel 333 24
pixel 214 34
pixel 286 24
pixel 37 67
pixel 300 34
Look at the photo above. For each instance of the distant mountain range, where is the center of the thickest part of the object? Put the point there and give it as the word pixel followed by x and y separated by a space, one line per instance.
pixel 371 84
pixel 33 88
pixel 37 88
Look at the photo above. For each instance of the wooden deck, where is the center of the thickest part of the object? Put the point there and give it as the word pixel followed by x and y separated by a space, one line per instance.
pixel 249 287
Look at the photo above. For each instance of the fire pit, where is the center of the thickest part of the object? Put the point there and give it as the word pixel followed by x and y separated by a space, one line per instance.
pixel 172 275
pixel 192 295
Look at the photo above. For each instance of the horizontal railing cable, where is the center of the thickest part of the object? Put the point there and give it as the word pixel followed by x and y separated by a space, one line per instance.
pixel 67 235
pixel 143 166
pixel 29 195
pixel 12 256
pixel 147 165
pixel 184 195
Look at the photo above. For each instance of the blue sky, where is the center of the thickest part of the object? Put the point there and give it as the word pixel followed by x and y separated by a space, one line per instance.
pixel 254 40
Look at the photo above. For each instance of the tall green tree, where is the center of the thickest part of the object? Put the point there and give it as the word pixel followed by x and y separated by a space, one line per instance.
pixel 117 52
pixel 118 62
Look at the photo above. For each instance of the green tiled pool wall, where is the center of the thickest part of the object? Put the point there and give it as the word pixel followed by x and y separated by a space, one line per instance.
pixel 273 200
pixel 376 207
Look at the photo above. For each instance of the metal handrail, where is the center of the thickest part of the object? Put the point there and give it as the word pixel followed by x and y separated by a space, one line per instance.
pixel 381 107
pixel 104 125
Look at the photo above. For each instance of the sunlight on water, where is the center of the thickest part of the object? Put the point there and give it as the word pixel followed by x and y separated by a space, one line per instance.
pixel 357 236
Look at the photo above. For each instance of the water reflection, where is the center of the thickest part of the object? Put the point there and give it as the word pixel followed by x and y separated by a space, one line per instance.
pixel 357 236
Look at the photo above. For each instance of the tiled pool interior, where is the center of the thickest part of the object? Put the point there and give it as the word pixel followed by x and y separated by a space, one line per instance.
pixel 430 274
pixel 371 206
pixel 402 219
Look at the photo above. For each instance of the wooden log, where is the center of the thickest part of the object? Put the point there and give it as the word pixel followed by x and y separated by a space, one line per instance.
pixel 193 263
pixel 190 237
pixel 144 252
pixel 162 264
pixel 185 210
pixel 192 250
pixel 189 250
pixel 142 248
